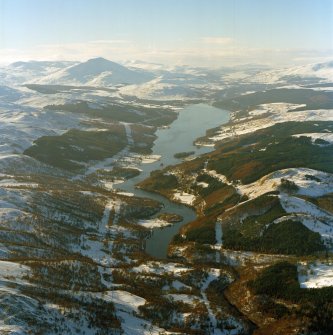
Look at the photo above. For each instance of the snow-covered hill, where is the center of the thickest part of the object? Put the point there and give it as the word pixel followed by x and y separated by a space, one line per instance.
pixel 162 89
pixel 318 71
pixel 96 72
pixel 22 72
pixel 41 66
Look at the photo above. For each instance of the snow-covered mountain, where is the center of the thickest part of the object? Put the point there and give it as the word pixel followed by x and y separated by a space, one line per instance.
pixel 19 73
pixel 320 71
pixel 41 66
pixel 162 88
pixel 177 82
pixel 96 72
pixel 8 94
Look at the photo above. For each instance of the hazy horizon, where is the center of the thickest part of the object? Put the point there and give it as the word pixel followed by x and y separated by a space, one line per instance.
pixel 206 33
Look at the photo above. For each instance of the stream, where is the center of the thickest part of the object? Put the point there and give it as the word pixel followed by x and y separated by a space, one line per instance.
pixel 192 122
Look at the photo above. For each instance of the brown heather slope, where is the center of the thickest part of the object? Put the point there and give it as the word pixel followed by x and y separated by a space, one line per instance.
pixel 239 295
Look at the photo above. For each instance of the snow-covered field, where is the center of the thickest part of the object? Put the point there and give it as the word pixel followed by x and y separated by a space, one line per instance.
pixel 327 136
pixel 165 89
pixel 310 182
pixel 270 114
pixel 20 126
pixel 185 198
pixel 153 223
pixel 12 272
pixel 160 268
pixel 13 207
pixel 310 215
pixel 323 71
pixel 315 275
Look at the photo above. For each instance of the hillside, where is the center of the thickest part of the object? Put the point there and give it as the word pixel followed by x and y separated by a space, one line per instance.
pixel 87 194
pixel 96 72
pixel 264 193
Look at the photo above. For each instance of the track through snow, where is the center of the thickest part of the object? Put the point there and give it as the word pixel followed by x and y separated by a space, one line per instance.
pixel 218 237
pixel 128 131
pixel 110 205
pixel 214 274
pixel 99 247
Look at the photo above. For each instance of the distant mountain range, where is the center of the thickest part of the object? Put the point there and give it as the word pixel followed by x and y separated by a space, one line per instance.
pixel 100 71
pixel 153 81
pixel 293 74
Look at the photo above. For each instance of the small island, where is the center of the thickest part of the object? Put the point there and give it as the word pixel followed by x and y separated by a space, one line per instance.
pixel 184 154
pixel 171 218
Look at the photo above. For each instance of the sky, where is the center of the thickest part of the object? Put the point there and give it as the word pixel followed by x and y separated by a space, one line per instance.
pixel 193 32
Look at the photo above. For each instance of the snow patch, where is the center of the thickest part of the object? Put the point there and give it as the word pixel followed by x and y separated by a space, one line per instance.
pixel 310 182
pixel 328 137
pixel 315 275
pixel 185 198
pixel 160 268
pixel 271 113
pixel 153 223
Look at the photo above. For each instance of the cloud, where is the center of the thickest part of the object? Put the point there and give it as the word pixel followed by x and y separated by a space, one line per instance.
pixel 217 40
pixel 113 49
pixel 207 51
pixel 111 42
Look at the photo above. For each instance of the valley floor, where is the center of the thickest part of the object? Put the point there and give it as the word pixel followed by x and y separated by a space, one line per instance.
pixel 256 255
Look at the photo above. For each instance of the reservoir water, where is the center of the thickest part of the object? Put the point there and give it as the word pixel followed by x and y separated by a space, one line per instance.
pixel 192 122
